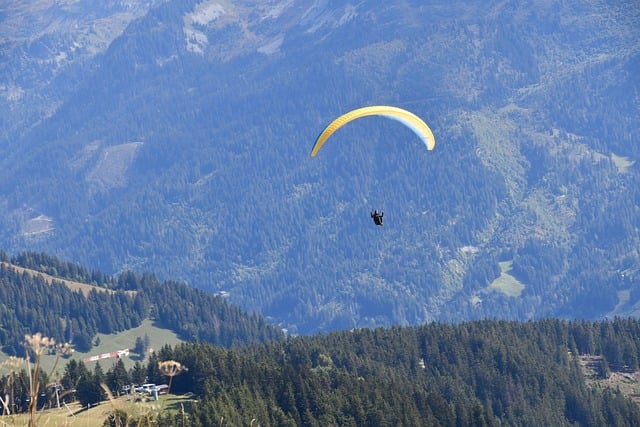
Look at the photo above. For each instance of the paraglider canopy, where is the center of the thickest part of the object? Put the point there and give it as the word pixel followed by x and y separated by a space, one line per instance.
pixel 407 118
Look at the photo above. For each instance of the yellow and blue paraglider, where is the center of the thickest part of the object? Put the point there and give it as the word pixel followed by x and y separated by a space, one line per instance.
pixel 407 118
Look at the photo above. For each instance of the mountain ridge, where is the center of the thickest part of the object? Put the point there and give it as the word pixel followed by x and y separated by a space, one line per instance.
pixel 73 285
pixel 68 303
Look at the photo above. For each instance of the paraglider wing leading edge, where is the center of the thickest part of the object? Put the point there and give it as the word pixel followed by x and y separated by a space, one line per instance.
pixel 407 118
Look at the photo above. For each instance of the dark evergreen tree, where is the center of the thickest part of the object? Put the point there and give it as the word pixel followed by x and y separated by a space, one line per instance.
pixel 138 374
pixel 118 377
pixel 89 390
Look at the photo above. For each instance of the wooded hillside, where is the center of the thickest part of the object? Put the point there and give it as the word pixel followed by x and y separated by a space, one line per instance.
pixel 476 373
pixel 30 304
pixel 481 373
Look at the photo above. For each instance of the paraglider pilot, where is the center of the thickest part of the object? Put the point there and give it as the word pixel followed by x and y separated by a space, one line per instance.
pixel 377 217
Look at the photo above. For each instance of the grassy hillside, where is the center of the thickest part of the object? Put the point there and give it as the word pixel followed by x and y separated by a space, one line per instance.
pixel 73 285
pixel 157 338
pixel 506 283
pixel 42 294
pixel 74 416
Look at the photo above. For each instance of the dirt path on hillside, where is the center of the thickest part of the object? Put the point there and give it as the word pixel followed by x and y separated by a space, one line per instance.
pixel 74 286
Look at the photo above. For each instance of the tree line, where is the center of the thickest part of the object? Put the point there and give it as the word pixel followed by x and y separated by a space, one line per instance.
pixel 487 372
pixel 481 373
pixel 118 304
pixel 477 373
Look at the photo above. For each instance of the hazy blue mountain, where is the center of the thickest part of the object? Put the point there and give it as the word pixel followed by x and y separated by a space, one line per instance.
pixel 174 137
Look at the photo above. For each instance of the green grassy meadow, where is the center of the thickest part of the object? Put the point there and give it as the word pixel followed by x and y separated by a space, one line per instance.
pixel 506 283
pixel 74 416
pixel 113 342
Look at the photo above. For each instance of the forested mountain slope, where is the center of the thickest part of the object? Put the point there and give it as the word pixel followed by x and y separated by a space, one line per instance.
pixel 180 145
pixel 475 373
pixel 29 303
